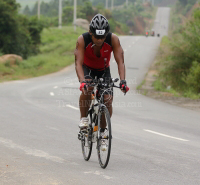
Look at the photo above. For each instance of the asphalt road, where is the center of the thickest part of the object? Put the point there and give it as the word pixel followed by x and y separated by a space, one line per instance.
pixel 153 142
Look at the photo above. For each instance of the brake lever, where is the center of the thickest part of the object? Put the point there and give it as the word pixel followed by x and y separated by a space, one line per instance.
pixel 85 87
pixel 126 89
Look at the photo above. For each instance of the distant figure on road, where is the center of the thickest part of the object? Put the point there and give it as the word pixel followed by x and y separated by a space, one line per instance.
pixel 147 33
pixel 152 32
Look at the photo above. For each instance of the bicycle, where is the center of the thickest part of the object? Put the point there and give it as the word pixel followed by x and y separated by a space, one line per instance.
pixel 94 132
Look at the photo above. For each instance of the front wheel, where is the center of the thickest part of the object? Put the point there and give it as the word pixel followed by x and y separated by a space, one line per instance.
pixel 86 143
pixel 104 138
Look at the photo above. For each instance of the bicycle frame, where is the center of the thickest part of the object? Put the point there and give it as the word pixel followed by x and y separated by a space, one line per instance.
pixel 97 103
pixel 96 106
pixel 97 111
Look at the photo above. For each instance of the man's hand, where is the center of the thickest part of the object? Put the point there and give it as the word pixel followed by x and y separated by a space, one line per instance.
pixel 83 86
pixel 123 86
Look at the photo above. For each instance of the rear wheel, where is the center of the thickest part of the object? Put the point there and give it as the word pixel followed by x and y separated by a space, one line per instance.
pixel 104 140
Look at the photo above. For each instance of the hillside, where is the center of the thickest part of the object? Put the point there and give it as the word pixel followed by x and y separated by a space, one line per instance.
pixel 163 3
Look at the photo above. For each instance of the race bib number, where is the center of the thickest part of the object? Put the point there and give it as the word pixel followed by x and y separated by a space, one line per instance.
pixel 100 32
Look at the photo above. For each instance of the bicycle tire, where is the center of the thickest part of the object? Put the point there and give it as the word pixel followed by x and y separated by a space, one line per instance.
pixel 102 163
pixel 86 145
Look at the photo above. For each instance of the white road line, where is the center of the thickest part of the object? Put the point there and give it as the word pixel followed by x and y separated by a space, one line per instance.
pixel 52 128
pixel 55 87
pixel 51 93
pixel 70 106
pixel 29 151
pixel 164 135
pixel 99 174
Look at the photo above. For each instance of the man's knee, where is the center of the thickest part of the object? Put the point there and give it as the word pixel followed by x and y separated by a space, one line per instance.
pixel 108 99
pixel 87 92
pixel 84 103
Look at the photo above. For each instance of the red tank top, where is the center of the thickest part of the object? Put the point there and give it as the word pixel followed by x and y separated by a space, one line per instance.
pixel 90 59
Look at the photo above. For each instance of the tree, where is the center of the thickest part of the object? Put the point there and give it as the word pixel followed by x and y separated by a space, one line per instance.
pixel 18 34
pixel 68 14
pixel 26 10
pixel 87 8
pixel 9 25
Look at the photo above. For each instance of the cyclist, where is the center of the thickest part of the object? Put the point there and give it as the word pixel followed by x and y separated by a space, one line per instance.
pixel 92 58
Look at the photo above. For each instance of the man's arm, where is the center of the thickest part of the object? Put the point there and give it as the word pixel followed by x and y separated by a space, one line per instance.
pixel 119 56
pixel 79 58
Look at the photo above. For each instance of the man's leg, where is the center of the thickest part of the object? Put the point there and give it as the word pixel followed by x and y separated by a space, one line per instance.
pixel 108 99
pixel 84 102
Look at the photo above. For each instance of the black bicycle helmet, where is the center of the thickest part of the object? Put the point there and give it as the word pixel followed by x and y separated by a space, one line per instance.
pixel 99 25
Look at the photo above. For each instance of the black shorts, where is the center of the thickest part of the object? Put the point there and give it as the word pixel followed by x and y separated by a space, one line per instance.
pixel 91 74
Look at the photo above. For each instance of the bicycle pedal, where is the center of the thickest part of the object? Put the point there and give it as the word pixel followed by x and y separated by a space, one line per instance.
pixel 84 130
pixel 79 136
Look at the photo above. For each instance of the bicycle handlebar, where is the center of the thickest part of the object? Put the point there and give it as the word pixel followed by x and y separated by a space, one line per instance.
pixel 100 81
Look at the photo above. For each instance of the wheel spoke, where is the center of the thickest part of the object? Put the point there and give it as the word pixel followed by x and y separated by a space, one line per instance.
pixel 104 141
pixel 86 145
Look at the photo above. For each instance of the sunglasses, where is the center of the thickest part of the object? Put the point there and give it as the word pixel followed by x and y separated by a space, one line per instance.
pixel 99 36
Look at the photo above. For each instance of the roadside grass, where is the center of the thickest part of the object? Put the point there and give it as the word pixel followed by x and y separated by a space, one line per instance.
pixel 56 52
pixel 178 60
pixel 159 86
pixel 191 95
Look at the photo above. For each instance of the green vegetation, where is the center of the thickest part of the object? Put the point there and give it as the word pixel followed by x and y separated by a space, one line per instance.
pixel 164 3
pixel 179 14
pixel 57 51
pixel 179 61
pixel 49 50
pixel 19 34
pixel 122 18
pixel 184 6
pixel 160 86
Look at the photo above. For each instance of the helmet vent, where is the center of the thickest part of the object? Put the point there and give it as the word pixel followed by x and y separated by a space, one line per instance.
pixel 99 22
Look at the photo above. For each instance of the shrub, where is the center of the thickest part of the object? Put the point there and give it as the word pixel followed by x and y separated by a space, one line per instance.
pixel 193 78
pixel 178 53
pixel 19 35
